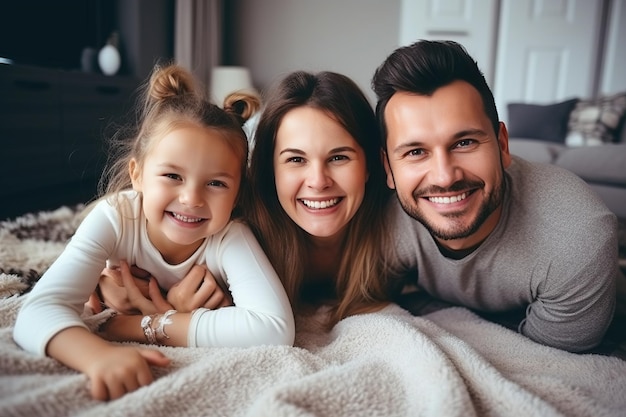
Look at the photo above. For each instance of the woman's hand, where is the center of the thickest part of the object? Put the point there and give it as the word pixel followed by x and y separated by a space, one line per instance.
pixel 112 293
pixel 153 303
pixel 199 288
pixel 128 291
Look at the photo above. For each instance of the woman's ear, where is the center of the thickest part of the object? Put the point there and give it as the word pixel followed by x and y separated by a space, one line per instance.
pixel 135 174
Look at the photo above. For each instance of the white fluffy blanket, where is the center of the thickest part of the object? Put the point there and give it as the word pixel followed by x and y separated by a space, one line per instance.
pixel 390 363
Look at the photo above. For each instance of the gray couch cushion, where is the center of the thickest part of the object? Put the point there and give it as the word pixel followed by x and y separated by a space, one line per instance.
pixel 605 164
pixel 535 150
pixel 543 122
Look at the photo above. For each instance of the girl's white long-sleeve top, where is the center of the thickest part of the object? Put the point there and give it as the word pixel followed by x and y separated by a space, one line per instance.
pixel 261 315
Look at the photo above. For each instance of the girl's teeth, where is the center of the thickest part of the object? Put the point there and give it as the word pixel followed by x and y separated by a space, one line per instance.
pixel 448 200
pixel 186 219
pixel 320 204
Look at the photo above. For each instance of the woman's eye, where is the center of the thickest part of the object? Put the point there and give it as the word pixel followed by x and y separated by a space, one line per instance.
pixel 339 158
pixel 295 159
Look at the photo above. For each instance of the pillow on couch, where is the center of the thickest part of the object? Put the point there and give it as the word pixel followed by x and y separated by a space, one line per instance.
pixel 542 122
pixel 595 122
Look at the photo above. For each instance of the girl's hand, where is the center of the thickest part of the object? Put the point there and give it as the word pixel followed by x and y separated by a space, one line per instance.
pixel 198 289
pixel 122 369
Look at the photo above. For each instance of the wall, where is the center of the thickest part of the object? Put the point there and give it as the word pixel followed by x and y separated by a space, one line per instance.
pixel 274 37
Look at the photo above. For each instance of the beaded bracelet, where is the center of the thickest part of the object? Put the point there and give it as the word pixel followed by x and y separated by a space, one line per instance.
pixel 164 320
pixel 148 331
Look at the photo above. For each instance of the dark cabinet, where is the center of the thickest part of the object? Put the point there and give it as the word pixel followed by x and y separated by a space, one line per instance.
pixel 53 130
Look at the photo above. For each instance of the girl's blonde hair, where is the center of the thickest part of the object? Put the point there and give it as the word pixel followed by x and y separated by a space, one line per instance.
pixel 171 98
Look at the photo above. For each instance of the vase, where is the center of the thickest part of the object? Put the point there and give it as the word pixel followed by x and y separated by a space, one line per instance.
pixel 109 59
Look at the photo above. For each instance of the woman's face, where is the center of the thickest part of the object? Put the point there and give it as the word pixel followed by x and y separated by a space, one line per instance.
pixel 320 171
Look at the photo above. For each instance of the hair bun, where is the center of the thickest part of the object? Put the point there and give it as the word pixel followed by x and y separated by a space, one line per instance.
pixel 242 105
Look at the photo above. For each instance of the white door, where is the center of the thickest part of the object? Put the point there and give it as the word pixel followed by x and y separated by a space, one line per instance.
pixel 547 51
pixel 472 23
pixel 613 73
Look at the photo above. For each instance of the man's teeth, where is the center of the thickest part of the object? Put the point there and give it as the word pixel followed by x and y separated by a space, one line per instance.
pixel 186 219
pixel 320 204
pixel 448 200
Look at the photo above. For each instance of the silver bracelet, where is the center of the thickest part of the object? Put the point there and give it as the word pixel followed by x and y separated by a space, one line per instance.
pixel 164 320
pixel 146 325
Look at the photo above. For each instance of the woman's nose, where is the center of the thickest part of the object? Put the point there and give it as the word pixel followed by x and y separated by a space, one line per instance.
pixel 318 177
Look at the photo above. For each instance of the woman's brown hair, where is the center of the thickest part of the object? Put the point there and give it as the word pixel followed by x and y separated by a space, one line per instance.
pixel 360 282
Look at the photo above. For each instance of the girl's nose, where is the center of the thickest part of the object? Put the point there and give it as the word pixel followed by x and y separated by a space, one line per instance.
pixel 191 197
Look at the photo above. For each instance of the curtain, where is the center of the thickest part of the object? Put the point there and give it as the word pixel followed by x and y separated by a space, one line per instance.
pixel 198 36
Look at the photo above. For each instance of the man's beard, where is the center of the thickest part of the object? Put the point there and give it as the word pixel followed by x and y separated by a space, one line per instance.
pixel 456 230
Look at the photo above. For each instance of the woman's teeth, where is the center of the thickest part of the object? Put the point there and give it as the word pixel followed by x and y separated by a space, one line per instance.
pixel 320 204
pixel 448 200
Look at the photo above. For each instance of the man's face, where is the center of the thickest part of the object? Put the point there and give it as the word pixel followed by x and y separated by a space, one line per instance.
pixel 445 162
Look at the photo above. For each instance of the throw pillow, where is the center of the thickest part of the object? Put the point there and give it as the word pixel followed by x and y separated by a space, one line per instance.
pixel 594 122
pixel 542 122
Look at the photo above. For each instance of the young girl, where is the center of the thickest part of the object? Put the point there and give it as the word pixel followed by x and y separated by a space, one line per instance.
pixel 168 208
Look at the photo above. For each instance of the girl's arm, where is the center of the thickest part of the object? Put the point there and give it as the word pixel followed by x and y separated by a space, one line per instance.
pixel 49 321
pixel 112 370
pixel 262 312
pixel 198 288
pixel 261 315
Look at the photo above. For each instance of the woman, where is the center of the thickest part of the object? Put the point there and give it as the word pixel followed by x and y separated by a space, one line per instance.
pixel 319 192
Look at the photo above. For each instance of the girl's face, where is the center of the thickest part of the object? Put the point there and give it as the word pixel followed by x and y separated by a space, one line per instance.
pixel 320 171
pixel 190 181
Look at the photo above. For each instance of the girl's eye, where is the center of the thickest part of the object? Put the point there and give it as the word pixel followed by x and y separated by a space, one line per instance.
pixel 217 184
pixel 173 176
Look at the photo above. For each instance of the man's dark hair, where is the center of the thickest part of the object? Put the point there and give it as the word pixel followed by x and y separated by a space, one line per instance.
pixel 424 67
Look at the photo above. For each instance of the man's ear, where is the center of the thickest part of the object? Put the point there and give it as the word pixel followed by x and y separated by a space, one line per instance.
pixel 385 160
pixel 503 143
pixel 135 174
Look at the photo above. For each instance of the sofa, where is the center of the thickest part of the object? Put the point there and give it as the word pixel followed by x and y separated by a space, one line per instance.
pixel 585 136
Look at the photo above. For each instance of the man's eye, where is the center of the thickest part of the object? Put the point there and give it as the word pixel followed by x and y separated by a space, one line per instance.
pixel 464 143
pixel 416 152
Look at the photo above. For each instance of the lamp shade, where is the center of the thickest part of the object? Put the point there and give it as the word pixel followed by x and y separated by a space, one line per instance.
pixel 227 80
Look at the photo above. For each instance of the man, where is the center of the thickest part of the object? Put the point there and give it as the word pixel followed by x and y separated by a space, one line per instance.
pixel 488 230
